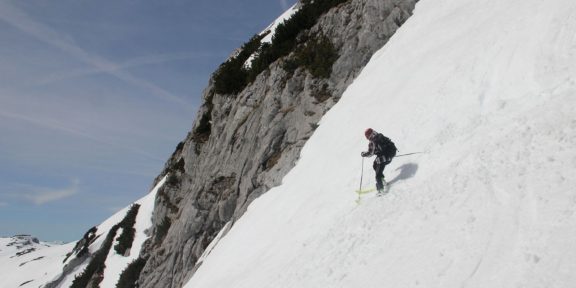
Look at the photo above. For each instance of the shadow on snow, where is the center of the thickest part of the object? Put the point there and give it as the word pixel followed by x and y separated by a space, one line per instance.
pixel 407 171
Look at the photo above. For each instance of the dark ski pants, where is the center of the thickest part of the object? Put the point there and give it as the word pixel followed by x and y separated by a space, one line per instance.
pixel 379 165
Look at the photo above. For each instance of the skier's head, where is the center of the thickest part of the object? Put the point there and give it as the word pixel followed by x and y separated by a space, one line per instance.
pixel 368 133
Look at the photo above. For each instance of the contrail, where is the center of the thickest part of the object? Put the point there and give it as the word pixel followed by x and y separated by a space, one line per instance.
pixel 26 24
pixel 132 63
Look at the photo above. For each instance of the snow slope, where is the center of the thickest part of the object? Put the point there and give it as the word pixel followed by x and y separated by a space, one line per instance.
pixel 271 30
pixel 115 263
pixel 45 262
pixel 488 89
pixel 24 259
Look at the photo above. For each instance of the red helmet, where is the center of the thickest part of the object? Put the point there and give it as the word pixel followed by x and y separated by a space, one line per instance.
pixel 368 133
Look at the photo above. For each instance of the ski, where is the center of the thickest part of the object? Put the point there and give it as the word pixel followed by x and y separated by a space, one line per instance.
pixel 365 191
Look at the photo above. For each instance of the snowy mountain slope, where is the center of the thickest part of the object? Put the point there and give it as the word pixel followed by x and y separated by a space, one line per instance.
pixel 488 88
pixel 116 263
pixel 45 262
pixel 271 30
pixel 24 259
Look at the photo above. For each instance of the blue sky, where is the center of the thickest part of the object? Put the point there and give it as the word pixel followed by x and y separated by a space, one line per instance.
pixel 95 96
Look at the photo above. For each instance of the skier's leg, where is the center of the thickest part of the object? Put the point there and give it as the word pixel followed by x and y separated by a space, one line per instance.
pixel 379 169
pixel 384 177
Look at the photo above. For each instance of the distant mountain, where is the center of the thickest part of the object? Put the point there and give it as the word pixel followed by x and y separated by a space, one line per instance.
pixel 25 261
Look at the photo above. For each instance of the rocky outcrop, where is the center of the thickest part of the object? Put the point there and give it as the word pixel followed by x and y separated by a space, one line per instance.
pixel 75 258
pixel 242 145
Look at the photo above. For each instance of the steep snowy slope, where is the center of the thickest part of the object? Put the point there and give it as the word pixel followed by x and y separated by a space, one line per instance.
pixel 115 263
pixel 26 262
pixel 488 89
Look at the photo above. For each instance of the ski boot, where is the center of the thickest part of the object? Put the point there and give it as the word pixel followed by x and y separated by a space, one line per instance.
pixel 382 190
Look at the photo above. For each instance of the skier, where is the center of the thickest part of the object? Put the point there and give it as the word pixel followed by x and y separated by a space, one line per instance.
pixel 384 149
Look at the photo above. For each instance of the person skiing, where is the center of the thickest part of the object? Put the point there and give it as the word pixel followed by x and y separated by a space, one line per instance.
pixel 384 149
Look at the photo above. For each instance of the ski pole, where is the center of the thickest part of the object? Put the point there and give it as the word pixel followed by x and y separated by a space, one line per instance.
pixel 361 174
pixel 408 154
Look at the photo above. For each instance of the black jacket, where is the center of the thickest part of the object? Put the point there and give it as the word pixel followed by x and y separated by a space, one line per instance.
pixel 380 145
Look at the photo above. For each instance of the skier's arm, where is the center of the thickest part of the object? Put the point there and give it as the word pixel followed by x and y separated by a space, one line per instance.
pixel 370 151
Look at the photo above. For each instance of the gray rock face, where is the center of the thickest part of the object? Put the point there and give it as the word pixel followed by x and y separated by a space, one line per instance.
pixel 242 145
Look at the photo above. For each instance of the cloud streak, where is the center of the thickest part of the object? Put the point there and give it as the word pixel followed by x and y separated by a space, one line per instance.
pixel 133 63
pixel 18 19
pixel 55 125
pixel 42 195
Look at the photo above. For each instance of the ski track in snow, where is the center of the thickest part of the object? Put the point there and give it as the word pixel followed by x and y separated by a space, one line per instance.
pixel 487 88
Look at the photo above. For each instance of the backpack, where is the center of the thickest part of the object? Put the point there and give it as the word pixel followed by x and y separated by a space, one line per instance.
pixel 384 146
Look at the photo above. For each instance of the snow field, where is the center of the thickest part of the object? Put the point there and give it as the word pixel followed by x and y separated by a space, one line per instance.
pixel 37 266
